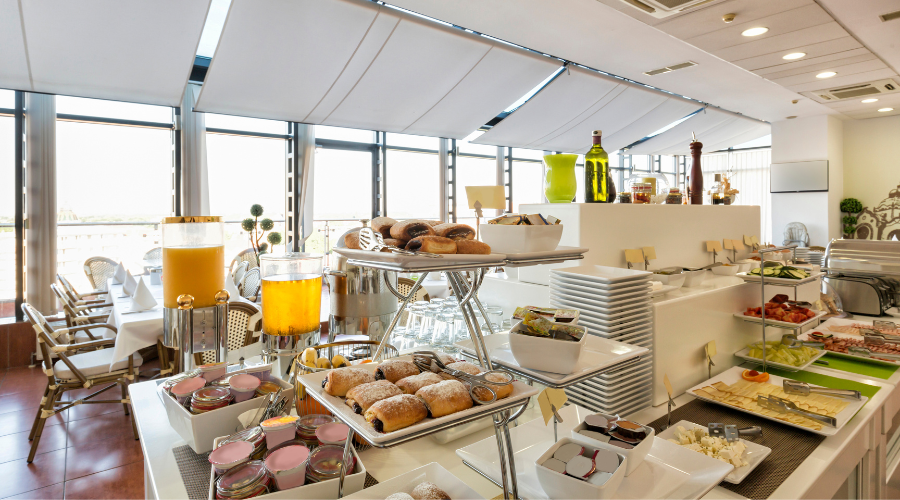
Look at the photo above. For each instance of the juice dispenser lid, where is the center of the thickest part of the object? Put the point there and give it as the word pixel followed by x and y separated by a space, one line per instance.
pixel 192 219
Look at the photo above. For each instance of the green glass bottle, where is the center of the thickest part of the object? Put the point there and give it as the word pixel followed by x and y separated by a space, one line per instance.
pixel 596 172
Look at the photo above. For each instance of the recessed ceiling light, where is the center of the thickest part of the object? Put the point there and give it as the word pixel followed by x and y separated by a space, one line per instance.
pixel 867 101
pixel 826 74
pixel 794 55
pixel 754 31
pixel 885 110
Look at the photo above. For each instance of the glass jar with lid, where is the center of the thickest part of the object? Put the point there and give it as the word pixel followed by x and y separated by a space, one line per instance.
pixel 325 463
pixel 250 479
pixel 640 193
pixel 674 196
pixel 307 425
pixel 253 435
pixel 210 398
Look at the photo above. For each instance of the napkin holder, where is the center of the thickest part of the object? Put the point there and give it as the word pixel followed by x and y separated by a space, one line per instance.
pixel 191 330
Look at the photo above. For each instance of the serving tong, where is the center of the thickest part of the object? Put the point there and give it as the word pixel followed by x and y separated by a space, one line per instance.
pixel 793 342
pixel 429 361
pixel 370 240
pixel 731 433
pixel 804 389
pixel 874 337
pixel 780 405
pixel 862 351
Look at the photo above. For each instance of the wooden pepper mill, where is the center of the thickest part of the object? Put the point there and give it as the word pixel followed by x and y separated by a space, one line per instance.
pixel 696 173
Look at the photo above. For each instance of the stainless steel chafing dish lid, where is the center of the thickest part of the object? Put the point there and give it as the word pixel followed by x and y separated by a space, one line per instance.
pixel 865 257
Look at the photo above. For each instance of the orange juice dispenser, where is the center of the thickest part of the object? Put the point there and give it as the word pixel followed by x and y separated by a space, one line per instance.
pixel 291 305
pixel 195 313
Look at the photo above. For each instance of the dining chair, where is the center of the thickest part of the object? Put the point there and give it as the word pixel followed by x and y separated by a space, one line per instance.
pixel 248 255
pixel 244 328
pixel 250 283
pixel 404 285
pixel 80 298
pixel 796 232
pixel 239 271
pixel 77 370
pixel 153 254
pixel 99 270
pixel 81 315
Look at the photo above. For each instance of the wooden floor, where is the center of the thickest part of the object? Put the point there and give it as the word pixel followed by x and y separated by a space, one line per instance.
pixel 89 451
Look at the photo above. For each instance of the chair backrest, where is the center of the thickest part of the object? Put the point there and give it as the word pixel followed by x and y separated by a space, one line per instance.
pixel 99 270
pixel 153 254
pixel 796 232
pixel 48 339
pixel 404 285
pixel 243 327
pixel 248 255
pixel 239 271
pixel 250 284
pixel 69 306
pixel 68 288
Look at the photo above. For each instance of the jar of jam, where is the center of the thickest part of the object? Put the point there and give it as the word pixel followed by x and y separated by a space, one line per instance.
pixel 624 198
pixel 640 192
pixel 267 387
pixel 307 425
pixel 210 398
pixel 325 463
pixel 674 197
pixel 171 382
pixel 253 435
pixel 250 479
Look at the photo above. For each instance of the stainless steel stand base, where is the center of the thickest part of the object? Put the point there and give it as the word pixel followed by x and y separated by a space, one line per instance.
pixel 205 324
pixel 280 350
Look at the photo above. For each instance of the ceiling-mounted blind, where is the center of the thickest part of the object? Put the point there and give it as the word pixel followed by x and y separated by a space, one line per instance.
pixel 714 128
pixel 562 115
pixel 106 49
pixel 357 64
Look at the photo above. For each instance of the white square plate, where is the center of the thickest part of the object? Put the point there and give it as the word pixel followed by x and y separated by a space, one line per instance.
pixel 453 486
pixel 754 454
pixel 745 354
pixel 610 331
pixel 602 311
pixel 631 407
pixel 600 300
pixel 413 262
pixel 602 274
pixel 610 289
pixel 668 471
pixel 620 320
pixel 769 321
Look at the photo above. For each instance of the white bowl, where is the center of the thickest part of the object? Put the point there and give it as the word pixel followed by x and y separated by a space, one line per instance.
pixel 749 265
pixel 694 278
pixel 521 239
pixel 726 270
pixel 635 455
pixel 557 485
pixel 675 280
pixel 546 355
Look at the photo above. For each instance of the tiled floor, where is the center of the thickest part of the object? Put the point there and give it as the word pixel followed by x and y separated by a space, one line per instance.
pixel 89 451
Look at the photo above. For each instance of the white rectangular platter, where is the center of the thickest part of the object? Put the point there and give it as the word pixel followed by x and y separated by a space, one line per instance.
pixel 841 335
pixel 780 281
pixel 754 454
pixel 313 384
pixel 668 471
pixel 561 252
pixel 417 261
pixel 745 354
pixel 786 324
pixel 453 486
pixel 733 374
pixel 598 354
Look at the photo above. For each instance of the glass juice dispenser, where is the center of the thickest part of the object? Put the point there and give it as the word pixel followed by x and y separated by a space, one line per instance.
pixel 291 304
pixel 195 314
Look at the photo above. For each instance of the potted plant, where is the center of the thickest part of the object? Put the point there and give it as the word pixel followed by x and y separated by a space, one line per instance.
pixel 851 207
pixel 257 231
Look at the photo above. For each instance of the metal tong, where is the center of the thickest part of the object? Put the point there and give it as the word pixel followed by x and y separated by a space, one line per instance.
pixel 862 351
pixel 785 406
pixel 804 389
pixel 429 361
pixel 370 240
pixel 874 338
pixel 793 342
pixel 731 433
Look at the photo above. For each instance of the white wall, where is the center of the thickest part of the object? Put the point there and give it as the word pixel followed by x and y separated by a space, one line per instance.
pixel 871 158
pixel 804 139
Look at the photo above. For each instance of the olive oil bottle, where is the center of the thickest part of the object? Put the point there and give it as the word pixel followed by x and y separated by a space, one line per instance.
pixel 596 172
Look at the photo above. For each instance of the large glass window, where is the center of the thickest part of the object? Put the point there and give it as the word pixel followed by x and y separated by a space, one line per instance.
pixel 7 208
pixel 344 134
pixel 113 184
pixel 342 194
pixel 413 185
pixel 747 171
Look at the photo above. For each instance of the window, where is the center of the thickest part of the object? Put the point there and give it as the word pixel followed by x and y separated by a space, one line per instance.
pixel 342 194
pixel 344 134
pixel 113 183
pixel 7 208
pixel 413 141
pixel 528 177
pixel 413 185
pixel 747 171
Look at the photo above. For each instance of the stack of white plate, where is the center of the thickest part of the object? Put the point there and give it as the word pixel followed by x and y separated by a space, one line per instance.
pixel 810 256
pixel 614 304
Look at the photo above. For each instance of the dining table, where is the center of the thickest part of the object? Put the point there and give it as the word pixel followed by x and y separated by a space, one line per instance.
pixel 136 330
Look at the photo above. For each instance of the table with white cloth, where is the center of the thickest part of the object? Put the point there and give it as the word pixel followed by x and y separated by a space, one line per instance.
pixel 136 330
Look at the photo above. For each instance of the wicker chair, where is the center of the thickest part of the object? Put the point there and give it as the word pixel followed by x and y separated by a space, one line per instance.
pixel 76 371
pixel 244 327
pixel 250 283
pixel 153 254
pixel 404 285
pixel 99 270
pixel 239 271
pixel 77 315
pixel 248 255
pixel 80 298
pixel 796 232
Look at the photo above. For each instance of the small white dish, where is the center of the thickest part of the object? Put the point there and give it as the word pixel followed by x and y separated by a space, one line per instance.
pixel 726 270
pixel 675 280
pixel 453 486
pixel 694 278
pixel 557 485
pixel 754 454
pixel 635 455
pixel 521 239
pixel 546 354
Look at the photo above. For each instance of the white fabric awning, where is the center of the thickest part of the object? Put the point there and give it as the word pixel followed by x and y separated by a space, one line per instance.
pixel 107 49
pixel 353 63
pixel 562 115
pixel 714 128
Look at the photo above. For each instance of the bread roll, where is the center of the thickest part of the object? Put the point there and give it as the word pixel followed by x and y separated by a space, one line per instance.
pixel 410 229
pixel 338 381
pixel 428 491
pixel 432 244
pixel 455 231
pixel 361 397
pixel 351 240
pixel 433 223
pixel 395 370
pixel 391 242
pixel 396 413
pixel 472 247
pixel 466 367
pixel 383 225
pixel 445 398
pixel 411 385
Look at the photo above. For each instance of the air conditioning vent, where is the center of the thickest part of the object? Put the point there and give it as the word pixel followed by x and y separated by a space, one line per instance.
pixel 665 8
pixel 886 86
pixel 667 69
pixel 890 16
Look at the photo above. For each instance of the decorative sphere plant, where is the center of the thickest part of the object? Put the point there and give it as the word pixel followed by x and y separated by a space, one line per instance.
pixel 850 206
pixel 257 231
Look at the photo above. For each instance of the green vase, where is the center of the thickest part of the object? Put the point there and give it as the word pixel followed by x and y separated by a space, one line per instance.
pixel 560 185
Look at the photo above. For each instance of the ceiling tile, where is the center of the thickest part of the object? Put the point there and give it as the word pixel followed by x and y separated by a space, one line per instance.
pixel 685 25
pixel 861 19
pixel 779 24
pixel 822 49
pixel 807 62
pixel 787 41
pixel 848 74
pixel 835 64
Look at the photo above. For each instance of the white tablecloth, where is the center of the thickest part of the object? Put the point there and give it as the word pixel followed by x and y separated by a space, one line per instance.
pixel 136 330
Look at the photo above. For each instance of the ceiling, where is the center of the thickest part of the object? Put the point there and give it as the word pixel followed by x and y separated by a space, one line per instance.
pixel 843 36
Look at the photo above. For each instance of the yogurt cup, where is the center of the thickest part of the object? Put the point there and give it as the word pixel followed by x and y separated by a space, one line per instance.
pixel 279 430
pixel 186 388
pixel 230 455
pixel 213 371
pixel 335 433
pixel 288 466
pixel 243 386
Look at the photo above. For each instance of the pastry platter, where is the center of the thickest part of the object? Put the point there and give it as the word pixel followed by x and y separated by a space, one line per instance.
pixel 780 281
pixel 733 375
pixel 419 262
pixel 312 382
pixel 561 254
pixel 598 356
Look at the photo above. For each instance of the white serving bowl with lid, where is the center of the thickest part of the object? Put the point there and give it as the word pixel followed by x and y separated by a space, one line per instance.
pixel 521 239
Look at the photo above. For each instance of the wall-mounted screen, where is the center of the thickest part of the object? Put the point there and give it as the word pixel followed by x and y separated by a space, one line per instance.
pixel 799 176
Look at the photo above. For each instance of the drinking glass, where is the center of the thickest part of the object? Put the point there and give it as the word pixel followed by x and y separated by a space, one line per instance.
pixel 443 324
pixel 494 316
pixel 414 321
